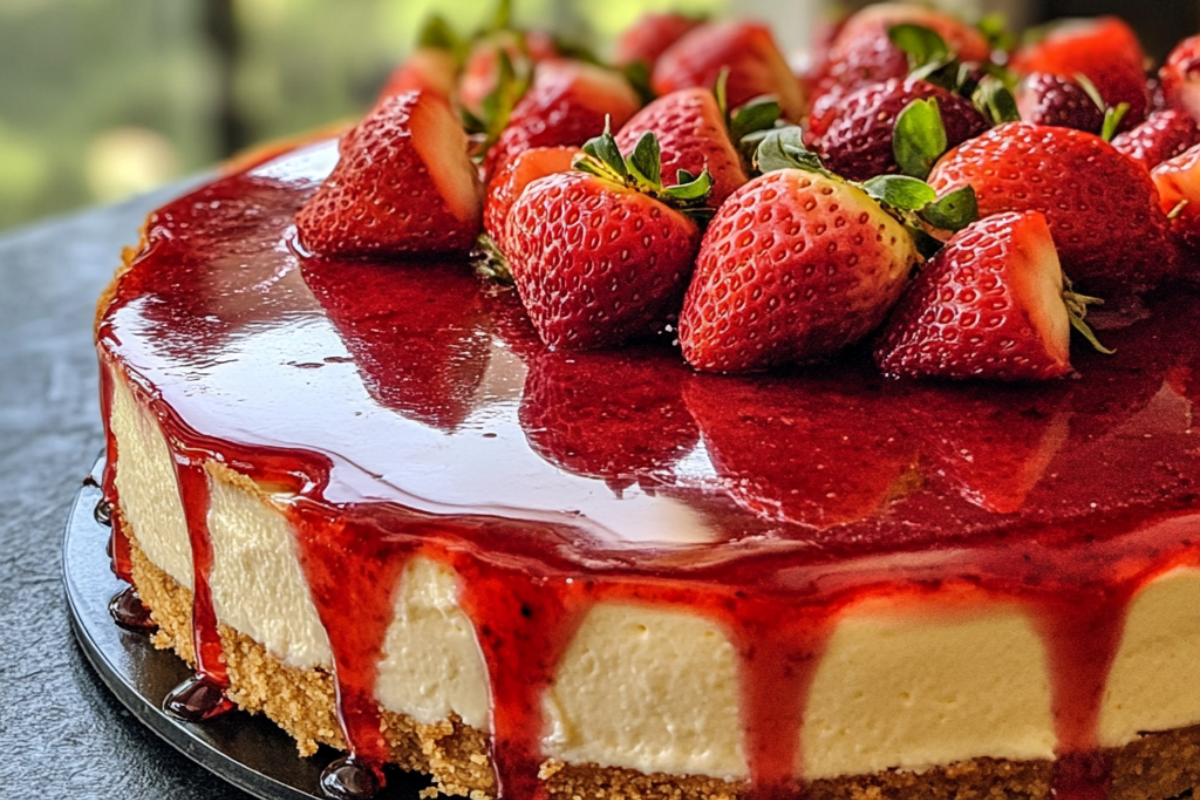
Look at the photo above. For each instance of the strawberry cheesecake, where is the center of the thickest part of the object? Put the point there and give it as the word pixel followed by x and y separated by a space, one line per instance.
pixel 542 545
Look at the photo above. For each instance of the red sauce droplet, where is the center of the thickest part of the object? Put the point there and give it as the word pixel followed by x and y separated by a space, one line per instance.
pixel 128 611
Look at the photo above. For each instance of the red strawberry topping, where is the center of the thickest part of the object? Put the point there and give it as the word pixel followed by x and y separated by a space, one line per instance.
pixel 403 185
pixel 1098 202
pixel 988 305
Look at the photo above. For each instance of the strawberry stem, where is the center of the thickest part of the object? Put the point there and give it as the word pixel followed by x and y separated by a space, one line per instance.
pixel 1077 305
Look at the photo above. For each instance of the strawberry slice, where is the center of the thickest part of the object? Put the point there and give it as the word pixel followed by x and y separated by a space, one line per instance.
pixel 990 304
pixel 1178 182
pixel 746 50
pixel 1105 49
pixel 1097 201
pixel 512 178
pixel 597 254
pixel 403 184
pixel 567 104
pixel 693 135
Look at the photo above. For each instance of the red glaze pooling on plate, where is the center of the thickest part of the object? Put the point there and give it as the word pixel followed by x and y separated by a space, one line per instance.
pixel 409 411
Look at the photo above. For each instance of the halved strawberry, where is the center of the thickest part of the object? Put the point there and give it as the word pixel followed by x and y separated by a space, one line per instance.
pixel 645 40
pixel 692 134
pixel 404 184
pixel 1180 77
pixel 1098 202
pixel 430 69
pixel 1164 134
pixel 1178 182
pixel 860 143
pixel 1104 49
pixel 567 104
pixel 746 50
pixel 988 305
pixel 597 256
pixel 513 176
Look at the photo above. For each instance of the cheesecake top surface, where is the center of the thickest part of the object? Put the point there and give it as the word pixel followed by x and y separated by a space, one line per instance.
pixel 420 388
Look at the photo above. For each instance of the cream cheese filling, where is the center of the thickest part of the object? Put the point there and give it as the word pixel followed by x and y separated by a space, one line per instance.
pixel 909 685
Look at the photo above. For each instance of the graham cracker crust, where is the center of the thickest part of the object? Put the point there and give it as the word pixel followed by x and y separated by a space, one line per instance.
pixel 1157 766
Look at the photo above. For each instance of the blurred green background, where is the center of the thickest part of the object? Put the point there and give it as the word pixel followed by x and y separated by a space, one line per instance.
pixel 102 99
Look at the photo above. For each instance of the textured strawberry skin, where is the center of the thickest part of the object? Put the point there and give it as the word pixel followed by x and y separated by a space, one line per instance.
pixel 1102 207
pixel 858 144
pixel 746 49
pixel 1106 50
pixel 381 198
pixel 567 104
pixel 793 267
pixel 594 264
pixel 1046 99
pixel 692 136
pixel 961 317
pixel 512 178
pixel 1164 134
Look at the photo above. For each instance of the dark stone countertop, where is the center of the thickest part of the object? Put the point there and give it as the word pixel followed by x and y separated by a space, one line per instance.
pixel 62 733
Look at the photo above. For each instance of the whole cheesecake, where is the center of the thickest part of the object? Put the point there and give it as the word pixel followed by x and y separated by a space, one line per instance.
pixel 364 499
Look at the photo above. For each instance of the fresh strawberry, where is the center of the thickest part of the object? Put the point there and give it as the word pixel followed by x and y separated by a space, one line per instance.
pixel 795 266
pixel 428 69
pixel 746 49
pixel 567 104
pixel 1164 135
pixel 512 178
pixel 1098 202
pixel 617 415
pixel 862 53
pixel 404 184
pixel 693 136
pixel 1178 182
pixel 1180 77
pixel 597 258
pixel 810 450
pixel 1046 99
pixel 990 305
pixel 1105 49
pixel 645 40
pixel 482 71
pixel 860 143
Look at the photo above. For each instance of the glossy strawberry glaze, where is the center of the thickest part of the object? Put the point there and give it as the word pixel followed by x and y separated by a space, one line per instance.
pixel 410 410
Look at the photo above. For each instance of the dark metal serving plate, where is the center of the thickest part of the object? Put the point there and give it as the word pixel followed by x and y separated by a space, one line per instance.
pixel 246 750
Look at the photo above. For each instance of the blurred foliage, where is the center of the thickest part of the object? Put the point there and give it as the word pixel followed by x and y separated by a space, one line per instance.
pixel 100 99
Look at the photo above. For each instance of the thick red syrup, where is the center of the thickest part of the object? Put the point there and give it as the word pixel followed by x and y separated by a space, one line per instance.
pixel 412 411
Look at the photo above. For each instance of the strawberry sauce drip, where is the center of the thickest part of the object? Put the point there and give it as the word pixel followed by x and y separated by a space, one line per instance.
pixel 119 550
pixel 406 411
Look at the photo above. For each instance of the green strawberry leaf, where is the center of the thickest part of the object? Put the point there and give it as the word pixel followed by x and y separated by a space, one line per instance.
pixel 603 158
pixel 921 44
pixel 638 75
pixel 1077 307
pixel 758 114
pixel 1112 119
pixel 900 191
pixel 995 101
pixel 783 148
pixel 696 188
pixel 645 162
pixel 994 28
pixel 920 137
pixel 436 32
pixel 955 211
pixel 1090 89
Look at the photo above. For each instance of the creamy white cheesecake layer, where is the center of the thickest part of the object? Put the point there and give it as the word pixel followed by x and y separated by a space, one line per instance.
pixel 908 685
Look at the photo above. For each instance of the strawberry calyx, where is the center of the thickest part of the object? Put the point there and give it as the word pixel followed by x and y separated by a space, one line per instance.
pixel 910 200
pixel 641 171
pixel 1077 308
pixel 750 122
pixel 512 81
